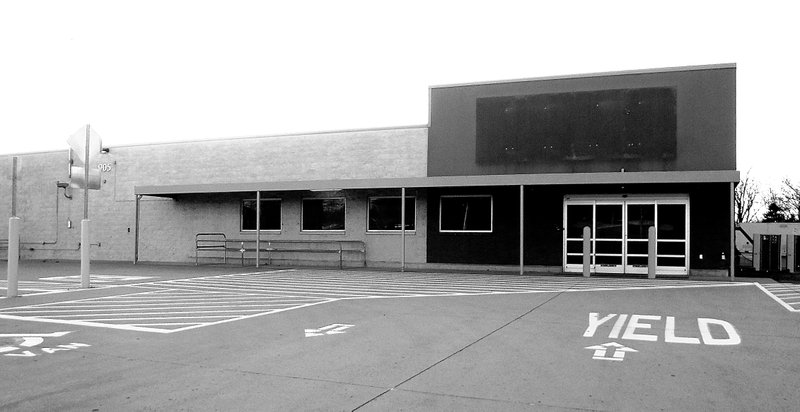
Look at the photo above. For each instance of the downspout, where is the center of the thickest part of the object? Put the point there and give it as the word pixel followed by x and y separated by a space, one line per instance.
pixel 47 242
pixel 136 231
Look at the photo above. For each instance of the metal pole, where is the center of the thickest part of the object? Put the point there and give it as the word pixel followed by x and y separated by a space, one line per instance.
pixel 13 236
pixel 86 177
pixel 85 238
pixel 14 162
pixel 521 229
pixel 136 231
pixel 403 229
pixel 731 257
pixel 258 227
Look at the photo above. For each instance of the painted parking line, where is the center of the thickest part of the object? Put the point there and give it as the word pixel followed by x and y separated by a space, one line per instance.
pixel 35 287
pixel 61 284
pixel 97 278
pixel 182 304
pixel 159 310
pixel 786 294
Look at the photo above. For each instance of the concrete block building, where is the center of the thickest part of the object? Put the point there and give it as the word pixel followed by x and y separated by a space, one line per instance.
pixel 505 176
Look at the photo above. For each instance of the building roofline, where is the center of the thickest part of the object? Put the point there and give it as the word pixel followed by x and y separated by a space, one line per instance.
pixel 276 135
pixel 220 139
pixel 706 176
pixel 598 74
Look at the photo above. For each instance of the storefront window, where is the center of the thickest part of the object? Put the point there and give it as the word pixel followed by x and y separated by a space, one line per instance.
pixel 384 214
pixel 323 214
pixel 270 214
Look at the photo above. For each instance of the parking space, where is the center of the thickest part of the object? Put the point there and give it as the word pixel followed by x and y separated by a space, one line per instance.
pixel 181 304
pixel 347 340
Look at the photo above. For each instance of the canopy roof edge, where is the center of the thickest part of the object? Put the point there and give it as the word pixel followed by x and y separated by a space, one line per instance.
pixel 712 176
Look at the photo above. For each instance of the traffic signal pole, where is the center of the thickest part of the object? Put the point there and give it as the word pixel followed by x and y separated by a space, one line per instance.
pixel 13 236
pixel 85 239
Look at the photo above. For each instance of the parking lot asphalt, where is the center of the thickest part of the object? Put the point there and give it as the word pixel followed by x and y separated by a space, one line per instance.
pixel 224 338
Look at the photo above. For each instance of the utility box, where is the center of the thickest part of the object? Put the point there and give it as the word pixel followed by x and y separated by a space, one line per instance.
pixel 776 253
pixel 776 246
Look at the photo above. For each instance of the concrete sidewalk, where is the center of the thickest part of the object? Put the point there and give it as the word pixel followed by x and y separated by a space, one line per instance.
pixel 35 269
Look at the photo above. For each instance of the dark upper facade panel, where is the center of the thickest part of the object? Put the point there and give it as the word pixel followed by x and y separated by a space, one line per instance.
pixel 657 120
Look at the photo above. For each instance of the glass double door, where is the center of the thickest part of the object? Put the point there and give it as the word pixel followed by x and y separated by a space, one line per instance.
pixel 619 234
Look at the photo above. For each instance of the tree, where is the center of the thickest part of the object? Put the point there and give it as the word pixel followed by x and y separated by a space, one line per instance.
pixel 746 197
pixel 775 213
pixel 790 198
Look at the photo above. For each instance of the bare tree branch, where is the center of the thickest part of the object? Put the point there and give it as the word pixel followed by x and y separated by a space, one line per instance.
pixel 790 198
pixel 746 198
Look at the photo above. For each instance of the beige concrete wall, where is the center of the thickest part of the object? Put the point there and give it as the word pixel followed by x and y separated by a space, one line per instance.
pixel 168 225
pixel 50 227
pixel 344 155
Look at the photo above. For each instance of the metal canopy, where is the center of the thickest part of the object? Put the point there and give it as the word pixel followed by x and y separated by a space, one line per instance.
pixel 714 176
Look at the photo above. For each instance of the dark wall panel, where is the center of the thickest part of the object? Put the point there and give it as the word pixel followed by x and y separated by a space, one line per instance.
pixel 543 220
pixel 686 121
pixel 501 246
pixel 619 125
pixel 710 218
pixel 709 224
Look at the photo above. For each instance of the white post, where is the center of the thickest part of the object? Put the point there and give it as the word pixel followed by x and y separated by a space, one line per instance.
pixel 587 251
pixel 258 227
pixel 85 259
pixel 651 252
pixel 13 235
pixel 85 242
pixel 403 229
pixel 13 256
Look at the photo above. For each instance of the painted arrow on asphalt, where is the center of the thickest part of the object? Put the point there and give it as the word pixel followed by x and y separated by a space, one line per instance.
pixel 328 330
pixel 28 339
pixel 619 351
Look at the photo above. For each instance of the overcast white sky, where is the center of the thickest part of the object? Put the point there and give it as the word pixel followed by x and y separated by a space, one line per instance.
pixel 156 71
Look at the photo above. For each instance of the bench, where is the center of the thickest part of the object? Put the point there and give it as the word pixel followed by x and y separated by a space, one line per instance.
pixel 271 248
pixel 210 241
pixel 4 246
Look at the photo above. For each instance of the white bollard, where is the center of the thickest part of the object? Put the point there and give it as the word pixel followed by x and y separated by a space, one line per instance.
pixel 587 251
pixel 85 246
pixel 13 256
pixel 651 252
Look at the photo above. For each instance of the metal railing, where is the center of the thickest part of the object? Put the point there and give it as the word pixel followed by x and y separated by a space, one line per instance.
pixel 210 241
pixel 270 250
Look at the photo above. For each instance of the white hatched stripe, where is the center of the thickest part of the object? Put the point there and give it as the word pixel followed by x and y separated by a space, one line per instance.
pixel 766 289
pixel 183 304
pixel 123 314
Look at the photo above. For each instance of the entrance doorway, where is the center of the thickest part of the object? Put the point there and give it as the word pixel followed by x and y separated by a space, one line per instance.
pixel 619 228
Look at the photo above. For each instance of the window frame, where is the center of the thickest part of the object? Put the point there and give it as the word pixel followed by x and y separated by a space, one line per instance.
pixel 302 215
pixel 491 214
pixel 413 198
pixel 280 215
